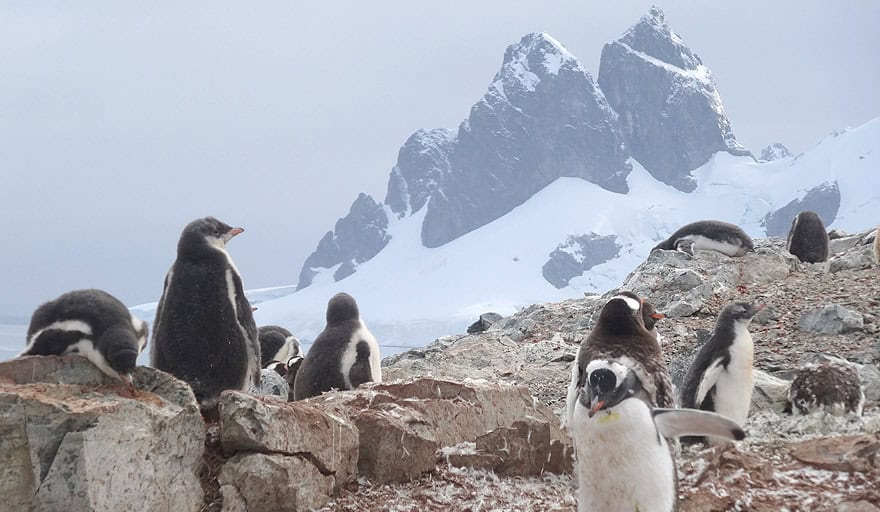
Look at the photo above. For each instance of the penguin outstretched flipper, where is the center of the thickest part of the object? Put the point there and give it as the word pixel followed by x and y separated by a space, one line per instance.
pixel 672 423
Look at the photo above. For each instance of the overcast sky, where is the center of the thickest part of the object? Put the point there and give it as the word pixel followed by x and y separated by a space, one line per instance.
pixel 120 121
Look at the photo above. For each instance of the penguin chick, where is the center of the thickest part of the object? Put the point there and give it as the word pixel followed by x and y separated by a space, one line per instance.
pixel 807 238
pixel 623 460
pixel 833 388
pixel 710 235
pixel 277 344
pixel 204 332
pixel 91 323
pixel 720 378
pixel 343 356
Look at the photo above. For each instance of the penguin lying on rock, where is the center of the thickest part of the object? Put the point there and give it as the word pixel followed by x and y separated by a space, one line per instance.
pixel 710 235
pixel 91 323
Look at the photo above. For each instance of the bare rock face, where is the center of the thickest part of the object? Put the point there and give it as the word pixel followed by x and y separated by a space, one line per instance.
pixel 831 319
pixel 74 439
pixel 251 424
pixel 526 449
pixel 770 393
pixel 679 284
pixel 402 425
pixel 263 482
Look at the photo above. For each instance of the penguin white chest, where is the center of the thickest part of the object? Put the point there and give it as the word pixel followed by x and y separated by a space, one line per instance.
pixel 703 243
pixel 733 390
pixel 622 464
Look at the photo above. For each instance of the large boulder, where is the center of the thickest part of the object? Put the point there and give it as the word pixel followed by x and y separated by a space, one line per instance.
pixel 403 425
pixel 75 439
pixel 831 319
pixel 259 482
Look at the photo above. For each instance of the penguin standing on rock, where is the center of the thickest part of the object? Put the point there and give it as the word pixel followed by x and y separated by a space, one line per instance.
pixel 650 315
pixel 623 458
pixel 711 235
pixel 91 323
pixel 807 238
pixel 720 378
pixel 204 333
pixel 343 356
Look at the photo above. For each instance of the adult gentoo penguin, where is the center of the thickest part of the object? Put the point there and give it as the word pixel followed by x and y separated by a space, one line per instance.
pixel 831 387
pixel 807 238
pixel 720 378
pixel 620 335
pixel 91 323
pixel 624 462
pixel 711 235
pixel 343 356
pixel 204 333
pixel 277 344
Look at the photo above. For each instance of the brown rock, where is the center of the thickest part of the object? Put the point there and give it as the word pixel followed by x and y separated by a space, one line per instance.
pixel 525 449
pixel 390 449
pixel 258 482
pixel 74 439
pixel 845 453
pixel 269 425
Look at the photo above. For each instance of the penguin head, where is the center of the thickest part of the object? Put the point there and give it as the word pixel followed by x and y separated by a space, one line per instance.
pixel 739 312
pixel 650 315
pixel 622 314
pixel 204 233
pixel 606 384
pixel 342 308
pixel 120 347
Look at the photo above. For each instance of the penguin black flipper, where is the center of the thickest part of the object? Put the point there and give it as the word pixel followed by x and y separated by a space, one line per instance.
pixel 360 371
pixel 701 378
pixel 51 342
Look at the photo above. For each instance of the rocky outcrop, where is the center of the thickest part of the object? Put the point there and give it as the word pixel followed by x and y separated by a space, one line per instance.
pixel 773 152
pixel 74 439
pixel 423 168
pixel 576 255
pixel 484 323
pixel 823 199
pixel 831 319
pixel 671 114
pixel 357 237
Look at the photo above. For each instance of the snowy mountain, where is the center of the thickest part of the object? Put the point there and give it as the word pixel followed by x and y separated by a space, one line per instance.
pixel 552 188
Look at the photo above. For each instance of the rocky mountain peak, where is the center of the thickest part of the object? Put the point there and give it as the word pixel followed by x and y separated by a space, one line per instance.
pixel 653 37
pixel 671 113
pixel 536 56
pixel 774 152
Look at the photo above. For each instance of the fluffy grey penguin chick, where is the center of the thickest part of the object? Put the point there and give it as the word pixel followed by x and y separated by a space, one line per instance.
pixel 204 333
pixel 91 323
pixel 343 356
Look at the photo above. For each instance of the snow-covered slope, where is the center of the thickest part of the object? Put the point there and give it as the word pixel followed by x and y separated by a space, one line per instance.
pixel 410 294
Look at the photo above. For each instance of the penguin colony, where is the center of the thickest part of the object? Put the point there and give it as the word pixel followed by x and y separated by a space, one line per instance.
pixel 621 410
pixel 807 238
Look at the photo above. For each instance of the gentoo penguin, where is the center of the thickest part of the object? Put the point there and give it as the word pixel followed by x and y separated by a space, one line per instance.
pixel 204 333
pixel 709 235
pixel 623 460
pixel 277 344
pixel 620 335
pixel 807 238
pixel 833 388
pixel 720 377
pixel 650 315
pixel 91 323
pixel 343 356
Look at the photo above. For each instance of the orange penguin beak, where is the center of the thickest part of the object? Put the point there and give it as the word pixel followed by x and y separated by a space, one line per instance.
pixel 235 231
pixel 657 316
